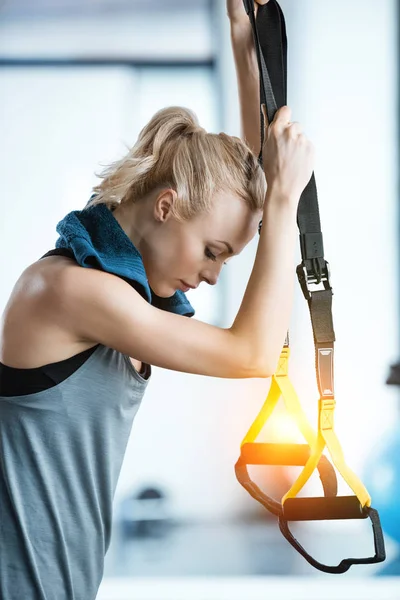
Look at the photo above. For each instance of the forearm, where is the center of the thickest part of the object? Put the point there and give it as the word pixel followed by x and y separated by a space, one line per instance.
pixel 248 85
pixel 264 315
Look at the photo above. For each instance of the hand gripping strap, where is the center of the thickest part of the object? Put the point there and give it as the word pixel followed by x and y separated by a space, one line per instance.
pixel 346 563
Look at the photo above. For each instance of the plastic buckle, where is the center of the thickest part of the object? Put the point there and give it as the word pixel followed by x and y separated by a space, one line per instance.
pixel 308 279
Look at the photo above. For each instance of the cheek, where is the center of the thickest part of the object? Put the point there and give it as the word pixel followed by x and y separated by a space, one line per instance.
pixel 185 256
pixel 192 253
pixel 177 253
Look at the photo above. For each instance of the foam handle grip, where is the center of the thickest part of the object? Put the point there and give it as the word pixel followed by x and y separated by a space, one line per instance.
pixel 323 509
pixel 275 454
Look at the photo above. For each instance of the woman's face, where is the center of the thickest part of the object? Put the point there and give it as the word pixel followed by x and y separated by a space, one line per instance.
pixel 177 255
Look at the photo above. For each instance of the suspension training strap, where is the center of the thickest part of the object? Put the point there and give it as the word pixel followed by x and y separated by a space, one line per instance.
pixel 269 34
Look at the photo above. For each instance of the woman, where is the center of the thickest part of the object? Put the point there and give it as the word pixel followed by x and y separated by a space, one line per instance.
pixel 85 323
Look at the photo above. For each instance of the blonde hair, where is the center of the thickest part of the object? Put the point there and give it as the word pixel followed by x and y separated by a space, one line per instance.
pixel 172 150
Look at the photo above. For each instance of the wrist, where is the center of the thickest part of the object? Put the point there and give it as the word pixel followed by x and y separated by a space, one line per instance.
pixel 285 199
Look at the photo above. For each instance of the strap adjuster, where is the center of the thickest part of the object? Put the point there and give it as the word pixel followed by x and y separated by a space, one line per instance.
pixel 308 278
pixel 326 413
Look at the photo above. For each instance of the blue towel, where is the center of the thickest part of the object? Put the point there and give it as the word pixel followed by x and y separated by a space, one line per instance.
pixel 98 242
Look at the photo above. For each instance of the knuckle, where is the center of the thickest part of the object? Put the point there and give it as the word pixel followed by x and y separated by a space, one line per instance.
pixel 275 130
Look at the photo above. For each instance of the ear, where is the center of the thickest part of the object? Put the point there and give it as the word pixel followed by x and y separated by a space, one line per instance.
pixel 163 204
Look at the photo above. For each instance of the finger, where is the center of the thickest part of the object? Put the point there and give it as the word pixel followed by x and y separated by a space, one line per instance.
pixel 295 128
pixel 282 116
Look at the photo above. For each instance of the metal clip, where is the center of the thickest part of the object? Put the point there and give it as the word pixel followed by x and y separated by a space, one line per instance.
pixel 307 279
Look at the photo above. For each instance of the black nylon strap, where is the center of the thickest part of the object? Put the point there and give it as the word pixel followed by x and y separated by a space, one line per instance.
pixel 277 81
pixel 270 30
pixel 273 49
pixel 321 316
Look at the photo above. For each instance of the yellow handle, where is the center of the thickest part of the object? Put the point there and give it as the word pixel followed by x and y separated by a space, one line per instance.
pixel 282 386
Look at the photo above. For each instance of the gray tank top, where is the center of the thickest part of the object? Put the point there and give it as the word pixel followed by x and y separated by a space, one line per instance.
pixel 61 452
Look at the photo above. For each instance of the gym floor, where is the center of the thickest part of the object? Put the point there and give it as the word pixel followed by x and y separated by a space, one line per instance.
pixel 273 588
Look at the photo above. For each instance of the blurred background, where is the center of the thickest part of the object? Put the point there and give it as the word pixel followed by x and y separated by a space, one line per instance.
pixel 78 80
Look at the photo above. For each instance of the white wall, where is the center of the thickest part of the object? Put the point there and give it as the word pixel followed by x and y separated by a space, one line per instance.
pixel 342 89
pixel 167 33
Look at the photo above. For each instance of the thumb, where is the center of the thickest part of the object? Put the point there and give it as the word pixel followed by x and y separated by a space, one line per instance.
pixel 283 115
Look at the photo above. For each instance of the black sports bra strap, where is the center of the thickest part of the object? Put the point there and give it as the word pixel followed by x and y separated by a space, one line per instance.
pixel 59 252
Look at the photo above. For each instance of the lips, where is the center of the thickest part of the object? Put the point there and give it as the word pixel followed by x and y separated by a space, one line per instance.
pixel 186 287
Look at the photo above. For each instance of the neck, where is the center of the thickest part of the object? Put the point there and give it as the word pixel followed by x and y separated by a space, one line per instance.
pixel 134 220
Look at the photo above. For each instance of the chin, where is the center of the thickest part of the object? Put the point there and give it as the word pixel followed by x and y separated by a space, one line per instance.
pixel 163 291
pixel 165 294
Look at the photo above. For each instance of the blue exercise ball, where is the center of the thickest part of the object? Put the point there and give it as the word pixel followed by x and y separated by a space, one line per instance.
pixel 382 480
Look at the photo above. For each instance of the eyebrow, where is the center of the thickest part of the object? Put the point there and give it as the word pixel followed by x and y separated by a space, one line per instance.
pixel 227 245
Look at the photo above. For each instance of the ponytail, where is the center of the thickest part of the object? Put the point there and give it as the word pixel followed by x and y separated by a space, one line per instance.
pixel 173 150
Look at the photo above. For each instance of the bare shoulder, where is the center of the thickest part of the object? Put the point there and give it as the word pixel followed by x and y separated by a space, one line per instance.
pixel 31 331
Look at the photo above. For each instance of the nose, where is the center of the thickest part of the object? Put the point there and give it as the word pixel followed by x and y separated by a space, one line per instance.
pixel 211 276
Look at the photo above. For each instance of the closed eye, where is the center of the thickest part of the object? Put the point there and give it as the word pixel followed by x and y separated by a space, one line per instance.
pixel 211 256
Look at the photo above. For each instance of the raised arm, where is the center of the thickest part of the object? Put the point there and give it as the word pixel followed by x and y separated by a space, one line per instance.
pixel 246 72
